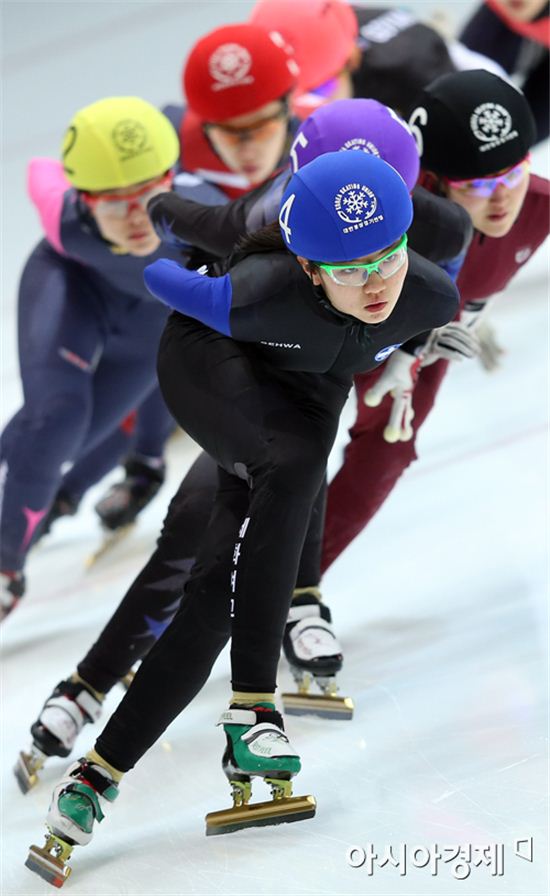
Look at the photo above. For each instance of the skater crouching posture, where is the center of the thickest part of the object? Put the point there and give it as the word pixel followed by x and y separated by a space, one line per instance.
pixel 234 132
pixel 474 131
pixel 439 227
pixel 88 329
pixel 257 367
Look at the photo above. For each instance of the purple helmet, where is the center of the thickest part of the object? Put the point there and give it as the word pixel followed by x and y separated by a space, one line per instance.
pixel 361 124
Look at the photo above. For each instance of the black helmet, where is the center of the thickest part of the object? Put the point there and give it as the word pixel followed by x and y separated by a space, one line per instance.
pixel 471 124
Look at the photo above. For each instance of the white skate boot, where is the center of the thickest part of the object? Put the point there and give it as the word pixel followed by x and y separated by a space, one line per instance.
pixel 314 655
pixel 63 716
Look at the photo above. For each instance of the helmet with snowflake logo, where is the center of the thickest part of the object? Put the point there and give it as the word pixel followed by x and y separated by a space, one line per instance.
pixel 117 142
pixel 236 70
pixel 344 205
pixel 471 124
pixel 360 125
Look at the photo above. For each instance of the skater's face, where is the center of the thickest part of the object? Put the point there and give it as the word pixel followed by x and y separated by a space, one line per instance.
pixel 493 209
pixel 522 10
pixel 121 215
pixel 252 144
pixel 374 301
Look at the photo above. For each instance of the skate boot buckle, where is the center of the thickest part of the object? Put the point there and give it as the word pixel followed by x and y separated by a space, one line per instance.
pixel 280 788
pixel 241 792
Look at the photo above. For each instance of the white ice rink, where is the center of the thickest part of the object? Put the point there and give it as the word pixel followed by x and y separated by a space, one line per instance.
pixel 440 604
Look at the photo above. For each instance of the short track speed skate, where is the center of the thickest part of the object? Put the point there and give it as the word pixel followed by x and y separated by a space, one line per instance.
pixel 257 746
pixel 120 507
pixel 63 716
pixel 12 589
pixel 109 540
pixel 314 656
pixel 63 504
pixel 77 801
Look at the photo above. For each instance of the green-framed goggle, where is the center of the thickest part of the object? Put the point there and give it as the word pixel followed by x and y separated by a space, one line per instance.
pixel 358 274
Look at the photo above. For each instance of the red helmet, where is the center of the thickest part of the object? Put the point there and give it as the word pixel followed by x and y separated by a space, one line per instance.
pixel 237 69
pixel 321 32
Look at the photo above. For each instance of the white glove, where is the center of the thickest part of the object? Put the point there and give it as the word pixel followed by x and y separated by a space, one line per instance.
pixel 455 341
pixel 491 352
pixel 399 379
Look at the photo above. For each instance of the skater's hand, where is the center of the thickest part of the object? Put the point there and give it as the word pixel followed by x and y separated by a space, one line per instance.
pixel 399 379
pixel 459 339
pixel 453 342
pixel 491 351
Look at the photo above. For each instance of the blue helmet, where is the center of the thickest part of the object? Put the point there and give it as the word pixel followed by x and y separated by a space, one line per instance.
pixel 343 206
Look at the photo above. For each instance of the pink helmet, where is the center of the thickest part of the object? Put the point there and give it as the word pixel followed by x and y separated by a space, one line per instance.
pixel 322 34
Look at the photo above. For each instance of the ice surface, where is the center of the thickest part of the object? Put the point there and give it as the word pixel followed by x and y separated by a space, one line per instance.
pixel 440 604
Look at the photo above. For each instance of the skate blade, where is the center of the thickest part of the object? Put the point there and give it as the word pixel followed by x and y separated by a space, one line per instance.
pixel 51 869
pixel 226 821
pixel 321 705
pixel 110 540
pixel 26 772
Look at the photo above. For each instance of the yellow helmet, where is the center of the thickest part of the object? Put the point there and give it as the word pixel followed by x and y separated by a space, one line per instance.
pixel 118 142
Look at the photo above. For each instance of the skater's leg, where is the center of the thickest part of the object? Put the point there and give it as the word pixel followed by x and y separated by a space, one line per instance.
pixel 281 449
pixel 126 374
pixel 153 598
pixel 179 664
pixel 310 644
pixel 144 613
pixel 371 465
pixel 89 468
pixel 84 365
pixel 145 469
pixel 124 377
pixel 309 571
pixel 61 336
pixel 93 465
pixel 154 425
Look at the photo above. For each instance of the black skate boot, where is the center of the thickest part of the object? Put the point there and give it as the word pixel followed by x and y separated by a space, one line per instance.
pixel 70 706
pixel 64 504
pixel 257 746
pixel 12 589
pixel 314 655
pixel 125 500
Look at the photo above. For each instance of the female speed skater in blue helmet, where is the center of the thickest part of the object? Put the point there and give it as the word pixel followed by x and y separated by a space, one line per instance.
pixel 440 230
pixel 257 364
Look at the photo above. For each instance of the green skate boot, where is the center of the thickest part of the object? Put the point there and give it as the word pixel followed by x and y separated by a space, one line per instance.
pixel 77 801
pixel 257 746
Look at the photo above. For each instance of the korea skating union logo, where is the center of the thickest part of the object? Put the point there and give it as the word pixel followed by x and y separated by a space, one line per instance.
pixel 130 138
pixel 523 254
pixel 361 144
pixel 229 66
pixel 356 205
pixel 386 352
pixel 491 124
